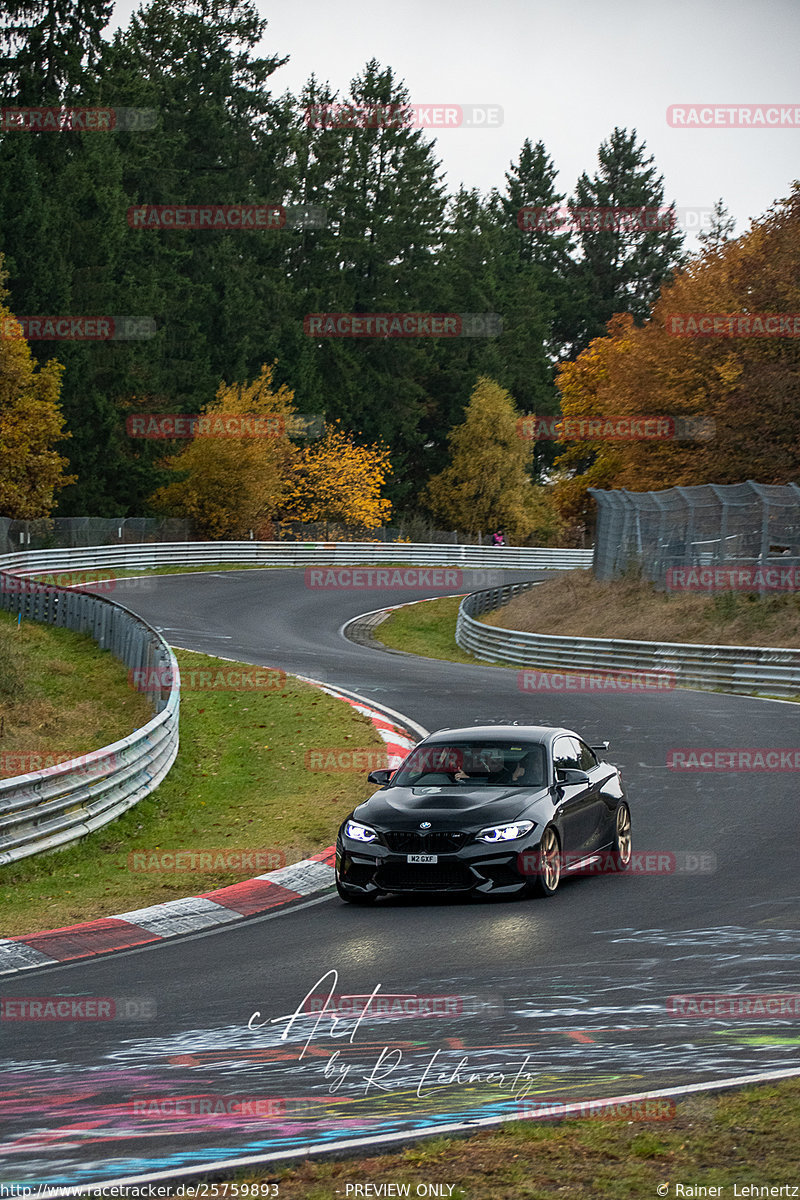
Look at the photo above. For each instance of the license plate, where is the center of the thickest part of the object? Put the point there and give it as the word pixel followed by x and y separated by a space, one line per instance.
pixel 422 858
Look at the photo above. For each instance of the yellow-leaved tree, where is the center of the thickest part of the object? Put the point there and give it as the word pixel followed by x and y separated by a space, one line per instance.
pixel 232 484
pixel 487 484
pixel 31 422
pixel 339 482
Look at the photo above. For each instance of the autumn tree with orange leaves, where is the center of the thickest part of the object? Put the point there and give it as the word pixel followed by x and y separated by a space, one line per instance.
pixel 339 482
pixel 31 423
pixel 740 391
pixel 230 485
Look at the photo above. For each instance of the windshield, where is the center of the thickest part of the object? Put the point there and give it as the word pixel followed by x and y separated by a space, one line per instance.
pixel 476 764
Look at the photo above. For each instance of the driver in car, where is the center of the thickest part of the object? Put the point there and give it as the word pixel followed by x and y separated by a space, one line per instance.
pixel 489 765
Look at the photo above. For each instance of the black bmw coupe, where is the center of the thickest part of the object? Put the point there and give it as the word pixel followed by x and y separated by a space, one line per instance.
pixel 498 809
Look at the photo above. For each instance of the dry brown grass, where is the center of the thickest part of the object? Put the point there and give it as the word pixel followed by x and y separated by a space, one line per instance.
pixel 576 604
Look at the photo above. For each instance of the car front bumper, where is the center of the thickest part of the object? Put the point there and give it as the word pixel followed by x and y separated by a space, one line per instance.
pixel 372 868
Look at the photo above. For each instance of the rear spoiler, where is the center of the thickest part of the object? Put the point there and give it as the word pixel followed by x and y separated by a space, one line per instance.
pixel 599 750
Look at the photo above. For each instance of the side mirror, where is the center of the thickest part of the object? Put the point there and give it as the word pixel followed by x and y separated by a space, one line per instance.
pixel 381 777
pixel 571 776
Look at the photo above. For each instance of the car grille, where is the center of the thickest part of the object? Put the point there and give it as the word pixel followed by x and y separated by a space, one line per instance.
pixel 411 842
pixel 436 876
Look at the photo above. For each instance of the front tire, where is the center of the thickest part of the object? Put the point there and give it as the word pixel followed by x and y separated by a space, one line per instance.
pixel 549 873
pixel 622 852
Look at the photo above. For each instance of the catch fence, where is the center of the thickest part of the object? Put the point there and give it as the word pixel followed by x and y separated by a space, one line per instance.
pixel 702 526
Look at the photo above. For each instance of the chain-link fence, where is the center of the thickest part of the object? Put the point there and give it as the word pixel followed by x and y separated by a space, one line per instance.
pixel 56 533
pixel 711 525
pixel 411 530
pixel 52 533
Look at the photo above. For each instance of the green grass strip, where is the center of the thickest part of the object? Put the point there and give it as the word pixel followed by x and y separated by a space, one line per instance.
pixel 242 780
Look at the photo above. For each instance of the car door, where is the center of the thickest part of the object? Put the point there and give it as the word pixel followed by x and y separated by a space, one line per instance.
pixel 598 823
pixel 574 801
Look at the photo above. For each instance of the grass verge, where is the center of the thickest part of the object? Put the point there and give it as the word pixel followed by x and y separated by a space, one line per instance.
pixel 60 695
pixel 241 781
pixel 576 604
pixel 427 629
pixel 749 1137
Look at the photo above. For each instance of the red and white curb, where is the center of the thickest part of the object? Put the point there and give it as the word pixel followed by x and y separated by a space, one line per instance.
pixel 145 926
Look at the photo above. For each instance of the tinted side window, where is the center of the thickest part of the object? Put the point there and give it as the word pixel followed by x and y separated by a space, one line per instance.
pixel 567 753
pixel 588 757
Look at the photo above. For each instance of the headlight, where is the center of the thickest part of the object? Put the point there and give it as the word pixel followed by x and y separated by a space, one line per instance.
pixel 506 833
pixel 359 833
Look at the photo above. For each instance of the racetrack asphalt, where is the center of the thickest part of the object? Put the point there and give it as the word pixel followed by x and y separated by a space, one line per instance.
pixel 567 998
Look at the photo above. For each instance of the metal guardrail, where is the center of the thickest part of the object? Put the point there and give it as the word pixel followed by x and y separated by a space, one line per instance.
pixel 761 670
pixel 298 554
pixel 50 808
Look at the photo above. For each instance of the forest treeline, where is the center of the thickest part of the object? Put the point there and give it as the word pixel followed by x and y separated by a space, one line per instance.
pixel 216 306
pixel 224 303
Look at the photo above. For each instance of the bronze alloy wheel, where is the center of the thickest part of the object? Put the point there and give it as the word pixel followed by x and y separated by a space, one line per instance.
pixel 622 838
pixel 549 875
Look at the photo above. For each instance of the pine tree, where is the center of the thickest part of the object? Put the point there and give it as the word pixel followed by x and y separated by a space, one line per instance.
pixel 537 296
pixel 387 207
pixel 529 198
pixel 220 138
pixel 622 269
pixel 721 228
pixel 59 206
pixel 49 49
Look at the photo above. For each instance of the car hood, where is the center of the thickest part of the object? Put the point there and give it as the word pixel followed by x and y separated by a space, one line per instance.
pixel 446 807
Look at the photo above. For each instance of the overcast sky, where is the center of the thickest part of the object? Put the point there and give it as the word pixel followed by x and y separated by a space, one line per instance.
pixel 567 75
